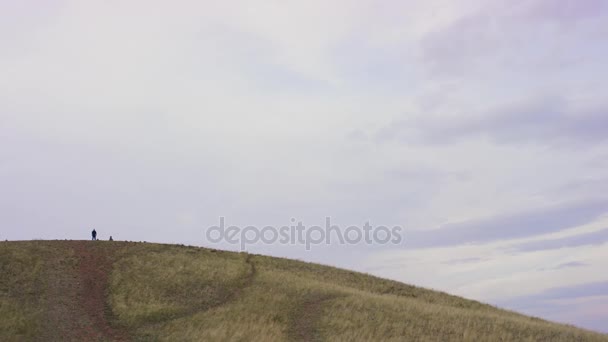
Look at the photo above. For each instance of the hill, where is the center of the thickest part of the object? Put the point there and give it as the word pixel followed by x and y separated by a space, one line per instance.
pixel 100 291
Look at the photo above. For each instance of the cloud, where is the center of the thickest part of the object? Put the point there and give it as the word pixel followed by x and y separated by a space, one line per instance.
pixel 547 121
pixel 499 38
pixel 463 261
pixel 566 12
pixel 570 264
pixel 593 238
pixel 583 304
pixel 511 226
pixel 583 187
pixel 154 119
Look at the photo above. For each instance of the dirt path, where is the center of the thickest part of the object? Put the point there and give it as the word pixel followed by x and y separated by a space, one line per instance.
pixel 247 280
pixel 76 300
pixel 304 327
pixel 94 270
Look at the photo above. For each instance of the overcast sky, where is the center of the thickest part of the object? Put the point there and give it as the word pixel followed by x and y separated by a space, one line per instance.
pixel 481 127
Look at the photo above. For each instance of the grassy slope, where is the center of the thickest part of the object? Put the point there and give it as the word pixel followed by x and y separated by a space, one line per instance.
pixel 172 293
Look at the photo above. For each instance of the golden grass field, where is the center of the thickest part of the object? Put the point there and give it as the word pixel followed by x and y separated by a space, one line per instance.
pixel 104 291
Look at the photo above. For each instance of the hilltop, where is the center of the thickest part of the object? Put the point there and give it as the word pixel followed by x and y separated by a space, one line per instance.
pixel 123 291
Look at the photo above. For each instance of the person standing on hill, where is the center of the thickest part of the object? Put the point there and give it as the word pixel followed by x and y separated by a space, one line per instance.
pixel 94 235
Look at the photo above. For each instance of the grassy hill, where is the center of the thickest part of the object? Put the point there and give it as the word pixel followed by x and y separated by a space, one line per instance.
pixel 106 291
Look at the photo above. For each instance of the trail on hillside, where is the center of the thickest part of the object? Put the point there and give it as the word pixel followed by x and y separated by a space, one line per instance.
pixel 247 280
pixel 94 271
pixel 64 299
pixel 304 327
pixel 76 302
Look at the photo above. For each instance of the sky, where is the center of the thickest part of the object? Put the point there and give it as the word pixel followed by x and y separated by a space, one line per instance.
pixel 479 126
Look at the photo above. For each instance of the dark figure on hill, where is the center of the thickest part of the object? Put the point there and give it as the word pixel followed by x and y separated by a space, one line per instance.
pixel 94 235
pixel 111 238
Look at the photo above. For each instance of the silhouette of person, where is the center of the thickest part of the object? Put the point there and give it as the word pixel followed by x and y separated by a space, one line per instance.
pixel 111 238
pixel 94 235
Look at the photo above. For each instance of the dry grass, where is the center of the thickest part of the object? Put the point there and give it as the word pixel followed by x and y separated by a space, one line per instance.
pixel 173 293
pixel 366 317
pixel 22 286
pixel 164 284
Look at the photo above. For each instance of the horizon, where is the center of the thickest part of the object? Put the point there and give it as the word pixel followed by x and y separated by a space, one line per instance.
pixel 478 127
